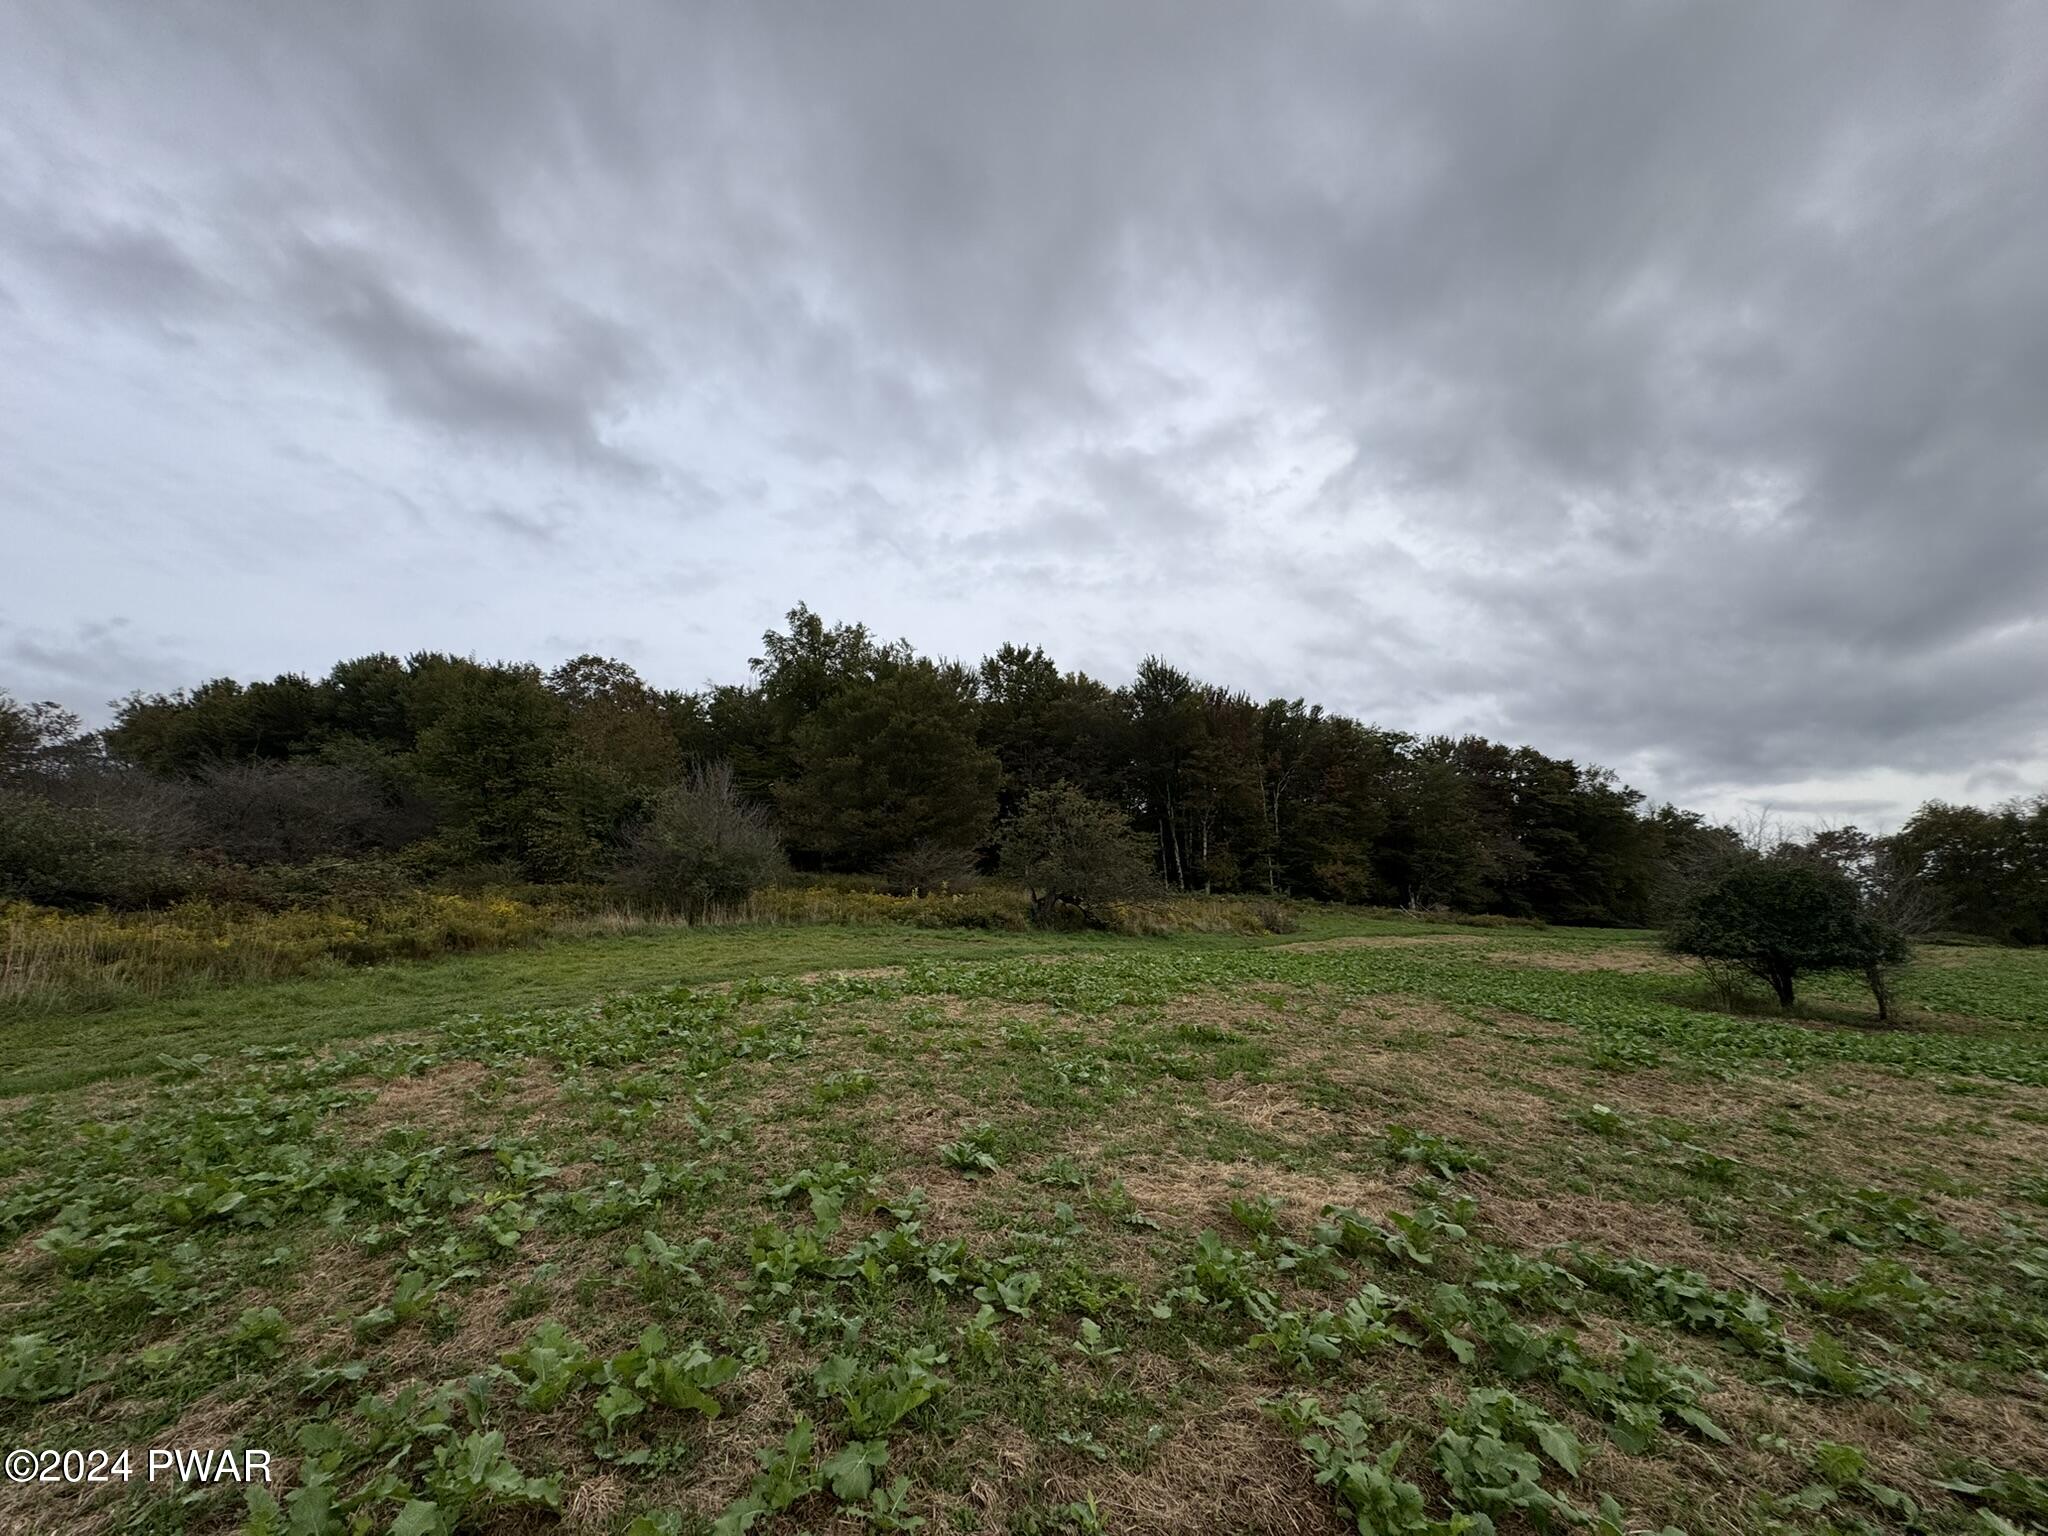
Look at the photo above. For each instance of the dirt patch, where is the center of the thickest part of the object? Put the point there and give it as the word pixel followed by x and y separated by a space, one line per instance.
pixel 956 1206
pixel 456 1097
pixel 865 973
pixel 760 1412
pixel 1418 1062
pixel 439 1098
pixel 595 1504
pixel 1860 1125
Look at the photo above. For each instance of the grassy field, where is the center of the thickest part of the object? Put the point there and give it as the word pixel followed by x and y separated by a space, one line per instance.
pixel 1381 1227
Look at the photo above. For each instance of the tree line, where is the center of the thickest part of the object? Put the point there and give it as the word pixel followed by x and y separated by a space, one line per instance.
pixel 867 756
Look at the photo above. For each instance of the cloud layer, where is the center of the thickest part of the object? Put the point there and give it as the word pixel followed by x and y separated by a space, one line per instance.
pixel 1661 384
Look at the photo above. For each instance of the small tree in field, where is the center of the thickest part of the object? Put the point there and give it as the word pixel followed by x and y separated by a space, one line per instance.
pixel 1894 894
pixel 701 847
pixel 1073 852
pixel 1779 918
pixel 929 868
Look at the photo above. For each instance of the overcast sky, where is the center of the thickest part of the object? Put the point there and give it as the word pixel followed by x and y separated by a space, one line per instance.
pixel 1663 385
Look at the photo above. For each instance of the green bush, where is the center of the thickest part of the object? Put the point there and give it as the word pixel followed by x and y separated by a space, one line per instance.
pixel 701 849
pixel 1076 856
pixel 74 856
pixel 1779 918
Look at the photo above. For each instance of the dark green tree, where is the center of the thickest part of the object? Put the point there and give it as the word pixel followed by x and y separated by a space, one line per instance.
pixel 798 673
pixel 37 739
pixel 1985 871
pixel 1166 727
pixel 617 751
pixel 887 764
pixel 1782 917
pixel 1045 726
pixel 487 757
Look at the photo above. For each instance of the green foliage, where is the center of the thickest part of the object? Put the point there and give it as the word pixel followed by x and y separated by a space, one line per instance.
pixel 1362 1479
pixel 1999 1492
pixel 1075 855
pixel 875 1401
pixel 935 868
pixel 972 1154
pixel 792 1472
pixel 1780 918
pixel 1443 1156
pixel 33 1370
pixel 1883 1290
pixel 1983 868
pixel 1842 1474
pixel 1488 1451
pixel 1874 1219
pixel 874 754
pixel 888 763
pixel 518 1166
pixel 75 856
pixel 700 849
pixel 548 1366
pixel 487 757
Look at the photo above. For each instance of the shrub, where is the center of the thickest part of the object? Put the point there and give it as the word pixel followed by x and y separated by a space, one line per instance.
pixel 346 884
pixel 1276 917
pixel 288 813
pixel 701 847
pixel 1075 855
pixel 1777 918
pixel 931 869
pixel 76 856
pixel 990 906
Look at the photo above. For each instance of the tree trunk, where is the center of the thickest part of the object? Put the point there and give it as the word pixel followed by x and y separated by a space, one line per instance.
pixel 1781 983
pixel 1272 798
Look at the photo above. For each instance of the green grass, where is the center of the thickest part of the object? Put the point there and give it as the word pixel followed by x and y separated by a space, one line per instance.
pixel 42 1051
pixel 829 1229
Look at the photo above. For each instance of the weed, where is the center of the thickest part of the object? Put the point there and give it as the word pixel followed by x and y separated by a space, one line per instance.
pixel 972 1154
pixel 1440 1154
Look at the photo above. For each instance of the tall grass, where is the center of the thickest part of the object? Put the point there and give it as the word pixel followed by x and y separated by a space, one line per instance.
pixel 988 905
pixel 52 961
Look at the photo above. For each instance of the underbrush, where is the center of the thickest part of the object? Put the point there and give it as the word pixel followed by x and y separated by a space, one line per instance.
pixel 1003 908
pixel 55 961
pixel 51 959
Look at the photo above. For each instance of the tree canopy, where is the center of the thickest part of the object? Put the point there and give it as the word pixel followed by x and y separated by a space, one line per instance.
pixel 1782 917
pixel 865 751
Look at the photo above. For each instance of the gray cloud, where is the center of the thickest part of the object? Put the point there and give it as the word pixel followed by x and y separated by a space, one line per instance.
pixel 123 272
pixel 555 397
pixel 94 662
pixel 1661 384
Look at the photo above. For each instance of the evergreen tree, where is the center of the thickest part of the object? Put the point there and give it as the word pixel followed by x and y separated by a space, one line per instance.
pixel 888 763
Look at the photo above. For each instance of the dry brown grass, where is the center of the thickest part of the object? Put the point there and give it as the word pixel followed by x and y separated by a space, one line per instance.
pixel 1375 941
pixel 1628 959
pixel 1226 1467
pixel 1557 1217
pixel 1188 1193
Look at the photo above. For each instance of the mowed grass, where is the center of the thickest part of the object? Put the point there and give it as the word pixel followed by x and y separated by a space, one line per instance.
pixel 1381 1227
